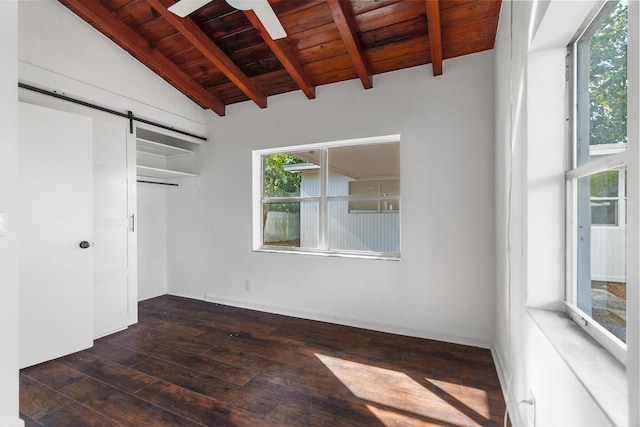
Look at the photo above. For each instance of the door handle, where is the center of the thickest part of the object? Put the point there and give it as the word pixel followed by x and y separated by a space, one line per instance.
pixel 84 244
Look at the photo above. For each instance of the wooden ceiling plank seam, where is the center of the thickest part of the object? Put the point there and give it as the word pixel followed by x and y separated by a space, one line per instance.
pixel 283 52
pixel 345 21
pixel 211 51
pixel 468 12
pixel 360 7
pixel 140 48
pixel 288 7
pixel 435 35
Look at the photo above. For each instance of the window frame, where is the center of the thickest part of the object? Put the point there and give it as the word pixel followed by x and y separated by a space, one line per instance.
pixel 574 172
pixel 322 199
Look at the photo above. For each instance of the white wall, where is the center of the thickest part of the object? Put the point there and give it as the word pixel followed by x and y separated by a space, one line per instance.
pixel 59 51
pixel 152 240
pixel 8 204
pixel 444 285
pixel 530 161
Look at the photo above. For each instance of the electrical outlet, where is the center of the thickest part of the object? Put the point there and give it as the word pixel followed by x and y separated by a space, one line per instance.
pixel 531 410
pixel 249 285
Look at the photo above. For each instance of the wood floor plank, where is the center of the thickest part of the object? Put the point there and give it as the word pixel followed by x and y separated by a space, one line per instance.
pixel 194 363
pixel 108 372
pixel 303 414
pixel 254 399
pixel 233 374
pixel 115 354
pixel 53 375
pixel 239 352
pixel 36 400
pixel 122 407
pixel 257 338
pixel 75 414
pixel 196 407
pixel 169 323
pixel 28 421
pixel 145 334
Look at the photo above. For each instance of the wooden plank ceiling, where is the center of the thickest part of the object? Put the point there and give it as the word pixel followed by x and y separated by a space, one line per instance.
pixel 219 55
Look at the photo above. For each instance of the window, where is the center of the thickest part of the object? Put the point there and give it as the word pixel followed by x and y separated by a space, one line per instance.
pixel 596 180
pixel 378 187
pixel 338 198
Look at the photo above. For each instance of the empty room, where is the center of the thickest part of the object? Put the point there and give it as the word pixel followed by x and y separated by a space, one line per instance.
pixel 320 213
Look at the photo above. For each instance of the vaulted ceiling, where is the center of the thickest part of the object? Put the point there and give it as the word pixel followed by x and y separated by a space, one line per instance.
pixel 219 55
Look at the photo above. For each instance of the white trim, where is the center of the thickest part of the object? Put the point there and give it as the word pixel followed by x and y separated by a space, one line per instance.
pixel 318 145
pixel 18 423
pixel 432 334
pixel 612 162
pixel 605 338
pixel 301 167
pixel 512 408
pixel 633 212
pixel 329 253
pixel 607 149
pixel 601 374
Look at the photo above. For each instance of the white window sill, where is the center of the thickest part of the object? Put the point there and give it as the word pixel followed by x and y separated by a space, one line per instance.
pixel 344 254
pixel 601 374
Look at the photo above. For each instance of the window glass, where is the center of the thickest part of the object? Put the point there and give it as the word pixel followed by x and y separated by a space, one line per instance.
pixel 332 198
pixel 365 232
pixel 366 163
pixel 602 85
pixel 604 198
pixel 384 189
pixel 292 224
pixel 283 173
pixel 601 259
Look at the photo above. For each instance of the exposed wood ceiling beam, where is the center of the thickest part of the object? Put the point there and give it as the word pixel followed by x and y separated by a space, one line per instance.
pixel 344 19
pixel 435 35
pixel 211 51
pixel 282 51
pixel 123 35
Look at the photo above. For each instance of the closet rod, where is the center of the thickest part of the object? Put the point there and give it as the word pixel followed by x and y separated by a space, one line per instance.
pixel 128 115
pixel 159 183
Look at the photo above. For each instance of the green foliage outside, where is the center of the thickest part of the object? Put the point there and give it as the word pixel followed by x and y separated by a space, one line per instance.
pixel 608 80
pixel 604 184
pixel 280 183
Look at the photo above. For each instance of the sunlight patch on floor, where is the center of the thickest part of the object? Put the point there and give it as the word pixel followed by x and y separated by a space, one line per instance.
pixel 397 399
pixel 393 418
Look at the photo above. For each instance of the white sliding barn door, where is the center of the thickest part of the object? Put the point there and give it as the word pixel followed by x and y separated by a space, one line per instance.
pixel 115 283
pixel 55 185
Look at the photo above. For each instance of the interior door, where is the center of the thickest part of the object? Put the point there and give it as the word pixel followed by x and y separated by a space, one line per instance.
pixel 56 215
pixel 114 270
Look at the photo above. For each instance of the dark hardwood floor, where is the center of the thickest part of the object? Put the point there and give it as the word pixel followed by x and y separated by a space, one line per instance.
pixel 193 363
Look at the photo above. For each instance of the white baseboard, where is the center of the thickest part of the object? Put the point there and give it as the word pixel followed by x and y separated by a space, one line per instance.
pixel 482 342
pixel 512 408
pixel 17 423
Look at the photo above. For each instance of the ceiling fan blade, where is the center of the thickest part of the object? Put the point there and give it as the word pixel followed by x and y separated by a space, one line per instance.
pixel 265 13
pixel 183 8
pixel 270 21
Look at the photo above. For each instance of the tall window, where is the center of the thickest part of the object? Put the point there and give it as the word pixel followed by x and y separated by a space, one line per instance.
pixel 596 180
pixel 331 198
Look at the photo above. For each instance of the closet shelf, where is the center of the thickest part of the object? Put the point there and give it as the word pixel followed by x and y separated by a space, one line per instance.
pixel 149 172
pixel 160 149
